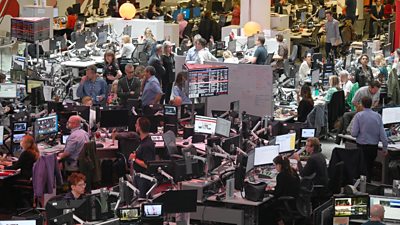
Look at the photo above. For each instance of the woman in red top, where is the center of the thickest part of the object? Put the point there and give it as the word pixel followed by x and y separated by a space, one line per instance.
pixel 236 15
pixel 71 20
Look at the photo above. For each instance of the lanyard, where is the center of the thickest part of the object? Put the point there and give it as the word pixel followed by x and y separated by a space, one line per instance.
pixel 129 84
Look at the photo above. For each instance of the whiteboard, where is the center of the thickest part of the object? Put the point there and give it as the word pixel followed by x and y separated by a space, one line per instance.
pixel 251 85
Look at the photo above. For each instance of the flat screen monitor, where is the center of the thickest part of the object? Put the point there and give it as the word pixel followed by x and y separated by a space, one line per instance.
pixel 355 207
pixel 17 137
pixel 152 210
pixel 235 106
pixel 196 12
pixel 265 155
pixel 114 118
pixel 186 13
pixel 32 83
pixel 102 37
pixel 170 110
pixel 251 42
pixel 46 125
pixel 232 46
pixel 391 206
pixel 18 222
pixel 20 127
pixel 229 144
pixel 129 214
pixel 286 142
pixel 1 135
pixel 315 76
pixel 205 125
pixel 387 49
pixel 57 207
pixel 178 201
pixel 391 115
pixel 80 41
pixel 82 111
pixel 250 160
pixel 308 132
pixel 223 127
pixel 8 90
pixel 207 81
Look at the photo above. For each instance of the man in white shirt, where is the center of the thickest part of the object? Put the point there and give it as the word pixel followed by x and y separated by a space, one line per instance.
pixel 305 68
pixel 203 54
pixel 192 52
pixel 345 82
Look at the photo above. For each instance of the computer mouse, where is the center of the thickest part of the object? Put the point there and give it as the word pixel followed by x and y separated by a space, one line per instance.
pixel 99 145
pixel 185 143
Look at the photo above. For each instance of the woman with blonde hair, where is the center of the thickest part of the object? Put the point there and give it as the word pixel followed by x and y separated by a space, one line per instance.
pixel 149 40
pixel 380 63
pixel 229 58
pixel 334 86
pixel 127 47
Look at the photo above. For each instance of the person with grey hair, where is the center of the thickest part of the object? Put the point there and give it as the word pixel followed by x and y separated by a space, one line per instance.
pixel 152 89
pixel 155 61
pixel 129 86
pixel 168 60
pixel 192 52
pixel 345 82
pixel 203 54
pixel 377 214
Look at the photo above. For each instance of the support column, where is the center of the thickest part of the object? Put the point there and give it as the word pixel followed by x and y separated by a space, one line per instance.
pixel 256 10
pixel 397 32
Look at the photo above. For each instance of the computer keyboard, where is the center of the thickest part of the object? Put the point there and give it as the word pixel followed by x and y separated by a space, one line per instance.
pixel 394 138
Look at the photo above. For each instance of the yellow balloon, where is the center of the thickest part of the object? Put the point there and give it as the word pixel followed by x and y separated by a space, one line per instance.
pixel 127 11
pixel 251 28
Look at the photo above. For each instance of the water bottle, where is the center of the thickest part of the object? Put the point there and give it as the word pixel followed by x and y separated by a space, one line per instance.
pixel 363 184
pixel 396 190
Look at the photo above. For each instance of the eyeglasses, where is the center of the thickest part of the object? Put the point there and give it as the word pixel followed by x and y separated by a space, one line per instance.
pixel 81 184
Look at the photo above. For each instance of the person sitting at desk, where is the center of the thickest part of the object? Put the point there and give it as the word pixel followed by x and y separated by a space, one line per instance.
pixel 305 68
pixel 79 29
pixel 74 145
pixel 178 89
pixel 363 74
pixel 345 82
pixel 111 70
pixel 182 25
pixel 186 44
pixel 283 51
pixel 306 104
pixel 27 158
pixel 88 101
pixel 349 7
pixel 203 54
pixel 376 15
pixel 146 152
pixel 368 130
pixel 92 85
pixel 316 163
pixel 77 183
pixel 206 25
pixel 148 41
pixel 287 184
pixel 127 47
pixel 333 87
pixel 152 89
pixel 260 55
pixel 377 213
pixel 229 58
pixel 71 21
pixel 129 86
pixel 279 6
pixel 372 91
pixel 112 98
pixel 152 12
pixel 380 63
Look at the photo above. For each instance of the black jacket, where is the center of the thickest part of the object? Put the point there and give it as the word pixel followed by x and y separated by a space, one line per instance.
pixel 169 65
pixel 155 62
pixel 315 164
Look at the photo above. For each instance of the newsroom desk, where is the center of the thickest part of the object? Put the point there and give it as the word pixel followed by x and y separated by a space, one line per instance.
pixel 237 210
pixel 393 154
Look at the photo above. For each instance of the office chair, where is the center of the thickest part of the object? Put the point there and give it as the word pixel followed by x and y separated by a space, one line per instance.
pixel 187 32
pixel 359 28
pixel 336 178
pixel 313 41
pixel 293 56
pixel 170 145
pixel 336 108
pixel 89 164
pixel 269 58
pixel 135 55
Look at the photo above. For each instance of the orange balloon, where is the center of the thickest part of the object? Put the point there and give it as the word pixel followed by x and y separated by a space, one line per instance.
pixel 251 28
pixel 127 11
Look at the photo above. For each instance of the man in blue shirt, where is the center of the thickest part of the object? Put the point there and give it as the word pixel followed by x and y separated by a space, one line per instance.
pixel 93 86
pixel 368 130
pixel 152 90
pixel 260 55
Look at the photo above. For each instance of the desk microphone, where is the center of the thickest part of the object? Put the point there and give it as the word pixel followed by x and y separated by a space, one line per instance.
pixel 162 172
pixel 238 150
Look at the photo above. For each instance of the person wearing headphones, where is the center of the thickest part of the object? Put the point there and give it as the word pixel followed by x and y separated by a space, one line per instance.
pixel 316 163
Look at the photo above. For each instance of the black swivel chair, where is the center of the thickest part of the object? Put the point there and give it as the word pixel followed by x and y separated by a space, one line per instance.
pixel 313 41
pixel 269 58
pixel 336 108
pixel 293 56
pixel 139 48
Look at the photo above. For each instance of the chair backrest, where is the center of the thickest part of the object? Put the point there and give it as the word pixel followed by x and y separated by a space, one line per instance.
pixel 336 108
pixel 127 145
pixel 170 142
pixel 303 201
pixel 187 32
pixel 315 32
pixel 336 181
pixel 293 56
pixel 269 58
pixel 359 27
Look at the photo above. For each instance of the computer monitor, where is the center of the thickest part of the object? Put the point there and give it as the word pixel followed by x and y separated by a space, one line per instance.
pixel 250 160
pixel 235 106
pixel 316 60
pixel 8 90
pixel 32 83
pixel 46 125
pixel 152 210
pixel 80 41
pixel 355 207
pixel 128 214
pixel 196 12
pixel 102 37
pixel 114 118
pixel 229 144
pixel 391 206
pixel 251 42
pixel 63 219
pixel 170 110
pixel 20 126
pixel 18 222
pixel 186 13
pixel 307 133
pixel 223 127
pixel 204 124
pixel 56 208
pixel 286 142
pixel 387 50
pixel 82 110
pixel 37 96
pixel 1 135
pixel 55 107
pixel 178 201
pixel 265 155
pixel 232 46
pixel 390 115
pixel 315 76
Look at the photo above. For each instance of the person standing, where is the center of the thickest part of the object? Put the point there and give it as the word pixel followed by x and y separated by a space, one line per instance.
pixel 93 86
pixel 146 152
pixel 372 91
pixel 155 61
pixel 333 39
pixel 129 86
pixel 71 21
pixel 349 7
pixel 152 90
pixel 376 16
pixel 363 74
pixel 182 25
pixel 368 130
pixel 203 54
pixel 236 15
pixel 111 69
pixel 168 61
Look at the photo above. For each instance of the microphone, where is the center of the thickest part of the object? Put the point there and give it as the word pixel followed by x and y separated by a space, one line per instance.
pixel 256 126
pixel 238 150
pixel 165 174
pixel 149 178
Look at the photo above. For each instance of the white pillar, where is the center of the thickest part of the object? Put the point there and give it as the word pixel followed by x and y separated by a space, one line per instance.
pixel 256 10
